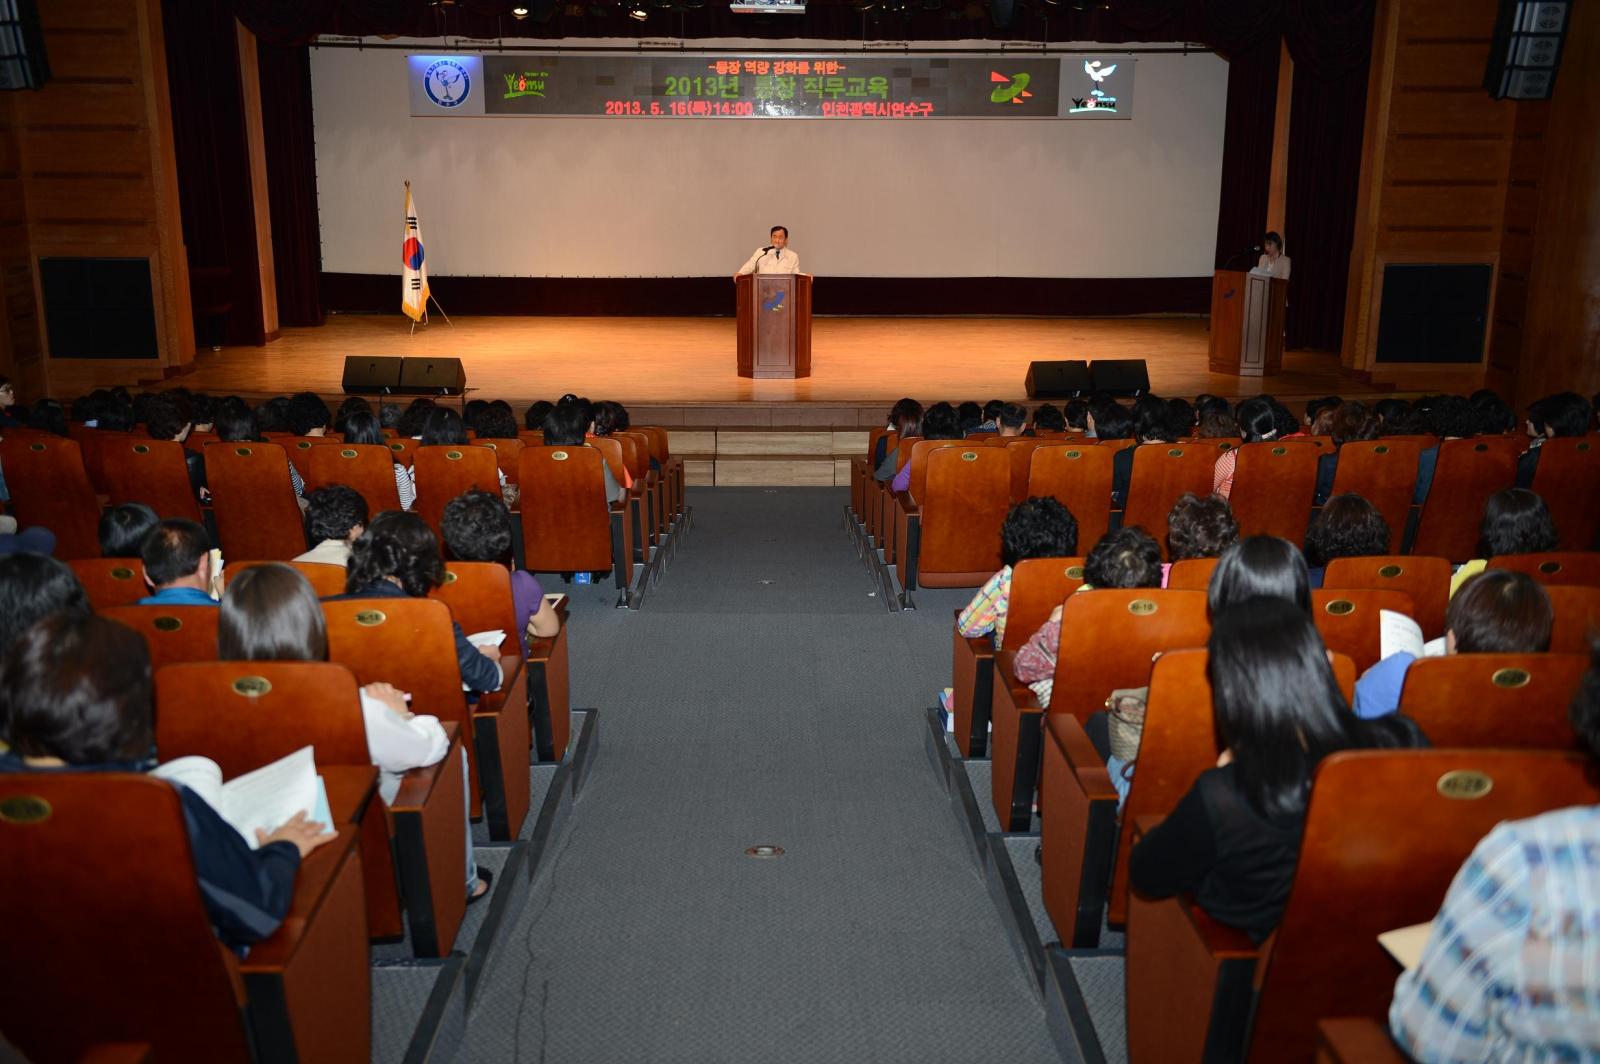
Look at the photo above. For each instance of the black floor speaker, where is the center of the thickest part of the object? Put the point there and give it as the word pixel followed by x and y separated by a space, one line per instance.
pixel 371 374
pixel 1120 376
pixel 433 376
pixel 1061 379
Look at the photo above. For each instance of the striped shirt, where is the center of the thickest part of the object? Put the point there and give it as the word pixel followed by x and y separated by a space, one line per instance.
pixel 986 612
pixel 1512 970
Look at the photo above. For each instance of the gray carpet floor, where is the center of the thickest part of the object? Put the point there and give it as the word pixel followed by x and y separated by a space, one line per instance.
pixel 762 696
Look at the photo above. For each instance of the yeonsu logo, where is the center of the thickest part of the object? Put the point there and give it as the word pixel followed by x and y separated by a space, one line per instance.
pixel 1013 89
pixel 1097 98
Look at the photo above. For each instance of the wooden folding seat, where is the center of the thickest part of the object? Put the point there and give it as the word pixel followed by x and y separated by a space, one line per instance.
pixel 862 469
pixel 1038 585
pixel 1383 472
pixel 368 468
pixel 567 524
pixel 506 455
pixel 1347 619
pixel 446 472
pixel 891 522
pixel 1568 480
pixel 174 634
pixel 1079 478
pixel 1425 580
pixel 671 467
pixel 245 714
pixel 403 449
pixel 253 501
pixel 1191 574
pixel 1386 832
pixel 100 881
pixel 50 488
pixel 90 441
pixel 879 501
pixel 1571 568
pixel 1481 700
pixel 952 530
pixel 1116 445
pixel 325 579
pixel 479 597
pixel 199 441
pixel 612 449
pixel 1109 638
pixel 111 581
pixel 636 457
pixel 1467 473
pixel 1085 851
pixel 152 472
pixel 409 643
pixel 298 448
pixel 1273 488
pixel 1020 453
pixel 1577 618
pixel 1217 443
pixel 1161 473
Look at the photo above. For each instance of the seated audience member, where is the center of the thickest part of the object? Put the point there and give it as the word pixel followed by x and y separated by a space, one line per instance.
pixel 477 528
pixel 472 412
pixel 1039 527
pixel 1314 407
pixel 1234 839
pixel 1495 416
pixel 1049 418
pixel 336 516
pixel 497 422
pixel 1152 421
pixel 353 404
pixel 1562 414
pixel 167 418
pixel 1283 417
pixel 1394 417
pixel 364 429
pixel 939 423
pixel 1515 521
pixel 904 418
pixel 1492 984
pixel 1259 567
pixel 1216 424
pixel 565 427
pixel 177 565
pixel 1257 423
pixel 388 417
pixel 397 557
pixel 1346 422
pixel 32 587
pixel 1198 527
pixel 1125 558
pixel 1348 527
pixel 414 419
pixel 444 428
pixel 1075 415
pixel 1012 419
pixel 607 418
pixel 1448 417
pixel 236 423
pixel 969 416
pixel 48 415
pixel 1110 420
pixel 75 696
pixel 273 415
pixel 123 529
pixel 1495 612
pixel 991 416
pixel 8 403
pixel 308 415
pixel 534 418
pixel 31 540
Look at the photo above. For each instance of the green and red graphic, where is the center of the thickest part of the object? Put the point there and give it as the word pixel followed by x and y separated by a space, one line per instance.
pixel 1013 89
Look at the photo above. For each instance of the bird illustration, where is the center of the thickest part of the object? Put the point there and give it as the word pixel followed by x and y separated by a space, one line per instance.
pixel 1092 68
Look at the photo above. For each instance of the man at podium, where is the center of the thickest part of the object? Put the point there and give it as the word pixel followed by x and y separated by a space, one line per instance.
pixel 774 258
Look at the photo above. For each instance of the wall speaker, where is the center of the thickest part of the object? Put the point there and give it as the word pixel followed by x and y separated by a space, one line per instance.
pixel 1434 312
pixel 371 375
pixel 1120 376
pixel 1057 380
pixel 432 376
pixel 1528 35
pixel 98 308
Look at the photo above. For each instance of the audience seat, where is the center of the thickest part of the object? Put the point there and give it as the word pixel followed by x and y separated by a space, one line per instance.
pixel 1347 619
pixel 100 883
pixel 507 453
pixel 245 714
pixel 325 579
pixel 1274 485
pixel 890 522
pixel 444 472
pixel 402 449
pixel 1191 574
pixel 1020 453
pixel 649 516
pixel 671 467
pixel 862 469
pixel 152 472
pixel 253 501
pixel 1038 585
pixel 409 643
pixel 1426 580
pixel 1577 618
pixel 1505 700
pixel 1386 832
pixel 50 488
pixel 298 448
pixel 111 581
pixel 1570 568
pixel 1079 478
pixel 1467 473
pixel 1568 480
pixel 174 634
pixel 89 441
pixel 368 468
pixel 1161 473
pixel 952 528
pixel 567 525
pixel 1383 472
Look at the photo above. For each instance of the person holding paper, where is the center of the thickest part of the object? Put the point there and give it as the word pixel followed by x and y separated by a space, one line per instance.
pixel 774 258
pixel 75 697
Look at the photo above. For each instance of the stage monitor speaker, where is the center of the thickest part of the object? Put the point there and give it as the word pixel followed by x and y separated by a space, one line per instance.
pixel 433 376
pixel 1526 52
pixel 371 375
pixel 1120 376
pixel 1061 379
pixel 1434 312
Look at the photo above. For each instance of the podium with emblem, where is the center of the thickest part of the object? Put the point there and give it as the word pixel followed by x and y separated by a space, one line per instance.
pixel 774 325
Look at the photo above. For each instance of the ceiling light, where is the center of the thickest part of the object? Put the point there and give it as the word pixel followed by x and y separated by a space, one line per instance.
pixel 519 12
pixel 638 12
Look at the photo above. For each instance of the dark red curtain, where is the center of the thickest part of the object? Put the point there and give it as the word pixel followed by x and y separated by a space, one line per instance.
pixel 292 181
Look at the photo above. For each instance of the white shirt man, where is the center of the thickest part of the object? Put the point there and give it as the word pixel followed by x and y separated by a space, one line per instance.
pixel 777 258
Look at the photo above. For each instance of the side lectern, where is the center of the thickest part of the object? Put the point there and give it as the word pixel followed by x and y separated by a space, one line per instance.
pixel 775 325
pixel 1247 323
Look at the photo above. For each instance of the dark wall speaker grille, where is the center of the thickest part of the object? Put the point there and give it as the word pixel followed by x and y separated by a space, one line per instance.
pixel 98 308
pixel 1434 312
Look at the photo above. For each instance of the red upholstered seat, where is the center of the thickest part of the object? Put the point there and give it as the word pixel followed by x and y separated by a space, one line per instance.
pixel 1161 473
pixel 1079 477
pixel 50 488
pixel 252 499
pixel 1273 487
pixel 1483 700
pixel 1467 473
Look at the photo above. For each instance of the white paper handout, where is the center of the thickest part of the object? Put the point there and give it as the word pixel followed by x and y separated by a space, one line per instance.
pixel 264 798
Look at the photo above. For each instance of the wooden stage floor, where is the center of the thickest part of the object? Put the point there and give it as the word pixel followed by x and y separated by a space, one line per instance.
pixel 690 361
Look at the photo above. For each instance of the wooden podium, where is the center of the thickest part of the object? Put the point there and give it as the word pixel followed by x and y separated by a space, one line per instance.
pixel 775 325
pixel 1247 323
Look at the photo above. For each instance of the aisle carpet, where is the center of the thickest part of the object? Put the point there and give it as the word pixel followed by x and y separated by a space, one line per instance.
pixel 762 696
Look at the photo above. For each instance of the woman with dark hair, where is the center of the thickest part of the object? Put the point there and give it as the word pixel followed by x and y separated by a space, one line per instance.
pixel 75 696
pixel 1109 420
pixel 123 529
pixel 414 418
pixel 1038 527
pixel 363 428
pixel 1562 414
pixel 939 423
pixel 236 423
pixel 1348 527
pixel 353 404
pixel 1258 422
pixel 969 416
pixel 398 557
pixel 904 418
pixel 566 426
pixel 477 528
pixel 1199 527
pixel 1260 567
pixel 48 415
pixel 8 401
pixel 1350 420
pixel 1049 417
pixel 1494 415
pixel 1234 838
pixel 534 418
pixel 1516 521
pixel 445 428
pixel 1273 261
pixel 33 586
pixel 497 422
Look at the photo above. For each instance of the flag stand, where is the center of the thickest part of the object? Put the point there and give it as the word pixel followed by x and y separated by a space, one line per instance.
pixel 424 320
